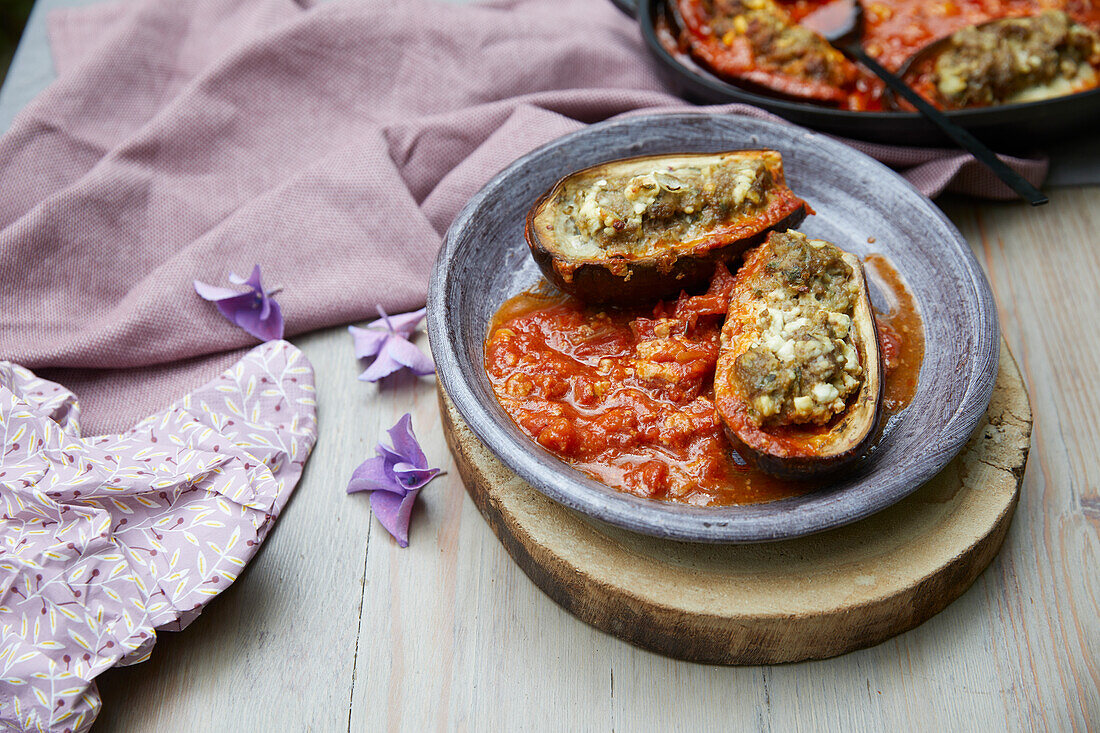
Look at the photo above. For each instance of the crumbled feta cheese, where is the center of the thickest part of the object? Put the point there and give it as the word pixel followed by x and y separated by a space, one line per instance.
pixel 765 406
pixel 824 392
pixel 796 325
pixel 803 358
pixel 742 182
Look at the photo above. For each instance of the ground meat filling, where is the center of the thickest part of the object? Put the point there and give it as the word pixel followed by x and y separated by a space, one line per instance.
pixel 804 365
pixel 631 212
pixel 778 43
pixel 1017 59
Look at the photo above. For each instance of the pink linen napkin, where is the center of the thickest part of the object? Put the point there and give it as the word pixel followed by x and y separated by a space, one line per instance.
pixel 332 145
pixel 105 540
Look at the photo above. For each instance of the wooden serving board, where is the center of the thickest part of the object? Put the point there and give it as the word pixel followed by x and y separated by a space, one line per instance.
pixel 808 598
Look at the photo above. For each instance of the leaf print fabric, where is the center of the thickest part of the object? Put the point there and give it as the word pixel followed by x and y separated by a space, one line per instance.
pixel 105 540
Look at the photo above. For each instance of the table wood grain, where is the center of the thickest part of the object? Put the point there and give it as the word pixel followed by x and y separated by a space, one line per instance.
pixel 334 627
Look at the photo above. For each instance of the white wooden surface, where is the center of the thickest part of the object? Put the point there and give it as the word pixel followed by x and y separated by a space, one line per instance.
pixel 334 627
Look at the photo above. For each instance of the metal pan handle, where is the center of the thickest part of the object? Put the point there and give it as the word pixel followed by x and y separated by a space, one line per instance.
pixel 630 7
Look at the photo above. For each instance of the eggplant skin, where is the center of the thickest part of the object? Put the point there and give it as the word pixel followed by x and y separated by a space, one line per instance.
pixel 625 281
pixel 798 467
pixel 793 451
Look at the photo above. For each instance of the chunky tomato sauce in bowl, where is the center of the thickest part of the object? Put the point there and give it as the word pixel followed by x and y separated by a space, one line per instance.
pixel 609 412
pixel 627 395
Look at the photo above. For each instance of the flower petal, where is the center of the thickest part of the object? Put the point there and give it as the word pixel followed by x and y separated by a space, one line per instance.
pixel 213 292
pixel 405 323
pixel 368 341
pixel 240 304
pixel 393 512
pixel 245 311
pixel 383 365
pixel 392 457
pixel 407 354
pixel 405 445
pixel 253 280
pixel 372 475
pixel 393 481
pixel 266 304
pixel 255 312
pixel 412 477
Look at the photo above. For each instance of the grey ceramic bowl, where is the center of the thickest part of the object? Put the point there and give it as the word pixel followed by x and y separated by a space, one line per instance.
pixel 484 260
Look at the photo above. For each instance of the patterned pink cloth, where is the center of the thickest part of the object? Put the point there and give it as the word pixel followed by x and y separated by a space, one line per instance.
pixel 104 540
pixel 332 145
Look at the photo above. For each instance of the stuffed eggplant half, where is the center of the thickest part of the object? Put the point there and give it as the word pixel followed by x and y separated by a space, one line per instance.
pixel 799 379
pixel 639 229
pixel 757 44
pixel 1008 60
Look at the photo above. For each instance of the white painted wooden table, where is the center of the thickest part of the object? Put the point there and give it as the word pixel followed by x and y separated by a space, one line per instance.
pixel 333 627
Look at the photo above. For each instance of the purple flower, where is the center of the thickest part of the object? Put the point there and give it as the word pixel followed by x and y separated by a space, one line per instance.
pixel 394 478
pixel 387 339
pixel 254 311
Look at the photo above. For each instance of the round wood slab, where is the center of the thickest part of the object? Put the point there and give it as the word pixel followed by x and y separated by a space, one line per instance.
pixel 808 598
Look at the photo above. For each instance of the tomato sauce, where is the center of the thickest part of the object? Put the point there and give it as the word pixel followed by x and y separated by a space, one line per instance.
pixel 627 395
pixel 900 334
